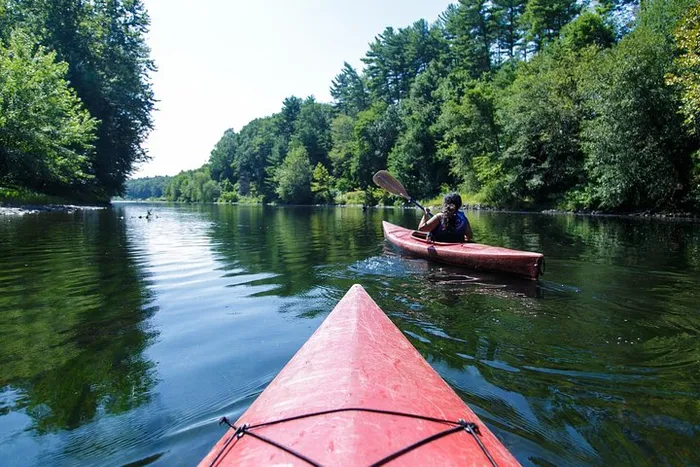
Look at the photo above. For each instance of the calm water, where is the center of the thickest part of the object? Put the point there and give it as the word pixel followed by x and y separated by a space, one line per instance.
pixel 122 339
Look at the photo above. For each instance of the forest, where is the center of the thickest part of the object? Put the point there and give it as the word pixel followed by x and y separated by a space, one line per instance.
pixel 515 103
pixel 75 95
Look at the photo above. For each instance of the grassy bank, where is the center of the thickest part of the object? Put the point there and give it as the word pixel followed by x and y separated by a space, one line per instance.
pixel 10 196
pixel 21 196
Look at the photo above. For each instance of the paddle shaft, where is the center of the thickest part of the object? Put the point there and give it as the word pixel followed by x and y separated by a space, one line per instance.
pixel 411 200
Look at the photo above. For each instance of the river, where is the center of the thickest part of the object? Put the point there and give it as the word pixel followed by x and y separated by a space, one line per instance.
pixel 124 339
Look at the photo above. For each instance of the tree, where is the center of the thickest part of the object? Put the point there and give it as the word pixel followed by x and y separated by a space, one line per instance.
pixel 395 58
pixel 413 158
pixel 472 26
pixel 293 177
pixel 147 187
pixel 543 19
pixel 471 138
pixel 638 158
pixel 321 185
pixel 541 116
pixel 509 35
pixel 222 157
pixel 343 148
pixel 687 77
pixel 256 143
pixel 312 128
pixel 517 102
pixel 291 108
pixel 349 91
pixel 687 66
pixel 46 136
pixel 375 134
pixel 210 191
pixel 103 43
pixel 588 29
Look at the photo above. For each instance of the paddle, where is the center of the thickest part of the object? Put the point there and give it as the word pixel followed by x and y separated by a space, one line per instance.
pixel 387 181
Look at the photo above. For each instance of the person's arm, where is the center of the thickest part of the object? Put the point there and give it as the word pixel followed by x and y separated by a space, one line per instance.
pixel 468 235
pixel 427 223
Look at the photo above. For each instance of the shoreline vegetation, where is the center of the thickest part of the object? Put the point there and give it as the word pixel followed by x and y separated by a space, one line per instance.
pixel 677 215
pixel 75 97
pixel 519 105
pixel 17 203
pixel 569 106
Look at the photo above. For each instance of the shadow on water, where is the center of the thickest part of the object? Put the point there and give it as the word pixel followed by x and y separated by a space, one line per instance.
pixel 456 280
pixel 73 314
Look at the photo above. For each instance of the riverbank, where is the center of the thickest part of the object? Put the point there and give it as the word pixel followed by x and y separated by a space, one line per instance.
pixel 18 209
pixel 21 210
pixel 20 201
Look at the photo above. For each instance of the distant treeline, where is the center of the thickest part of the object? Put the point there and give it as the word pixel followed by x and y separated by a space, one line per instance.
pixel 515 103
pixel 75 98
pixel 147 188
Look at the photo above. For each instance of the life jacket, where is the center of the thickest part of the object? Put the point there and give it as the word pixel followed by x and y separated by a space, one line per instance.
pixel 453 235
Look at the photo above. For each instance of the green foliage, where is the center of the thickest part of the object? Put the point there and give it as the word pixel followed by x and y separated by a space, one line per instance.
pixel 396 57
pixel 588 29
pixel 349 91
pixel 293 177
pixel 146 188
pixel 46 136
pixel 210 191
pixel 507 15
pixel 228 192
pixel 356 198
pixel 321 185
pixel 473 27
pixel 518 103
pixel 367 197
pixel 343 150
pixel 228 197
pixel 687 66
pixel 222 157
pixel 312 129
pixel 541 115
pixel 23 196
pixel 103 45
pixel 291 108
pixel 470 130
pixel 375 134
pixel 637 149
pixel 413 158
pixel 257 143
pixel 543 19
pixel 193 186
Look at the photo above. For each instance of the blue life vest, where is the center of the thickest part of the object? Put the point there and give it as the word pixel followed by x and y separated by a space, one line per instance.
pixel 455 234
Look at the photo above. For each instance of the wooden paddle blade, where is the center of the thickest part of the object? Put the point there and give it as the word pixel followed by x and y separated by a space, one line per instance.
pixel 385 180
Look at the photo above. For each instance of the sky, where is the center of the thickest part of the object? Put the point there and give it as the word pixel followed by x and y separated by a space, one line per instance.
pixel 223 63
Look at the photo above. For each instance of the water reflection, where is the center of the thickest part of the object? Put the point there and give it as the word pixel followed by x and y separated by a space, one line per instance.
pixel 72 309
pixel 123 339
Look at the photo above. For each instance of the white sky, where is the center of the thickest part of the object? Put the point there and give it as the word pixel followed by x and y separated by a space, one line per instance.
pixel 223 63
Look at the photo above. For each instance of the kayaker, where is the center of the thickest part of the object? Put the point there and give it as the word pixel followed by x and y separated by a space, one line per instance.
pixel 450 225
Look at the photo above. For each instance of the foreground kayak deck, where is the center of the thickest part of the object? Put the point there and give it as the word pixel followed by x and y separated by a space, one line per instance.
pixel 470 255
pixel 371 382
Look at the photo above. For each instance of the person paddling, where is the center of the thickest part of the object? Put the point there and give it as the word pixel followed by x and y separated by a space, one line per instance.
pixel 450 225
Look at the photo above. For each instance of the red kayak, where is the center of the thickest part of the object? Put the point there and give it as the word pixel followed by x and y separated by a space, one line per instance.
pixel 470 255
pixel 358 393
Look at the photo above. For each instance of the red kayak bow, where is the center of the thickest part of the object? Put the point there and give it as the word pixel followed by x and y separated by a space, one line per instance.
pixel 358 393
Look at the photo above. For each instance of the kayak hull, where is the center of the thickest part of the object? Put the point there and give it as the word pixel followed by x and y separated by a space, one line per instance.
pixel 358 360
pixel 469 255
